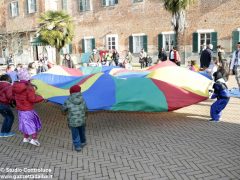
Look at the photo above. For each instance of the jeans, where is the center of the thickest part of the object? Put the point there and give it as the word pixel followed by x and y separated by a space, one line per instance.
pixel 7 113
pixel 78 135
pixel 217 107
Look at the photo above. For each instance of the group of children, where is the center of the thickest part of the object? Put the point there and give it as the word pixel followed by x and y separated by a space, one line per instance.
pixel 22 95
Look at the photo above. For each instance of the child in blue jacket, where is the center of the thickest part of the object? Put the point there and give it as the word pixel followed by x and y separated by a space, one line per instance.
pixel 220 92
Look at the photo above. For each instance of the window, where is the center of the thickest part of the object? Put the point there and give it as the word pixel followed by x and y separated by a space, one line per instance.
pixel 109 2
pixel 88 44
pixel 84 5
pixel 64 5
pixel 136 1
pixel 166 40
pixel 112 42
pixel 14 9
pixel 31 6
pixel 51 5
pixel 137 42
pixel 203 37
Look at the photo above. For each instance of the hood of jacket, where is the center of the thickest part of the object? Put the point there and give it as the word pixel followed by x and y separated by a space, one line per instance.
pixel 76 98
pixel 19 87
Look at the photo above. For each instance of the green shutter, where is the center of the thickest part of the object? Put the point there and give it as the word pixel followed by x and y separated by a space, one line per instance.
pixel 235 39
pixel 10 10
pixel 174 40
pixel 17 9
pixel 80 5
pixel 145 43
pixel 70 49
pixel 104 2
pixel 195 42
pixel 64 4
pixel 93 43
pixel 61 51
pixel 131 44
pixel 83 46
pixel 26 4
pixel 160 41
pixel 214 40
pixel 35 5
pixel 116 1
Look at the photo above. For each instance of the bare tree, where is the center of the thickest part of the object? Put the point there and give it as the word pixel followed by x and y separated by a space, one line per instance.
pixel 13 42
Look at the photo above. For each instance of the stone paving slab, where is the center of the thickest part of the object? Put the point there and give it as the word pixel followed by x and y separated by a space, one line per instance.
pixel 133 145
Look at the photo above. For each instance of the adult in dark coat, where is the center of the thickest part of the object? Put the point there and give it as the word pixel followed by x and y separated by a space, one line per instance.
pixel 162 55
pixel 206 56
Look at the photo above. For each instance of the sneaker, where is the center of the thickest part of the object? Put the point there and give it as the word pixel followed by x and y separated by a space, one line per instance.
pixel 213 120
pixel 9 134
pixel 78 149
pixel 26 140
pixel 35 142
pixel 2 134
pixel 83 144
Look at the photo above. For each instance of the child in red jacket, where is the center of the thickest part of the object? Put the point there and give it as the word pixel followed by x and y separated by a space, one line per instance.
pixel 25 96
pixel 5 101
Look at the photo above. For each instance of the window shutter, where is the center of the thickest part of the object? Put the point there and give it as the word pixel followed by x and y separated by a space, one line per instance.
pixel 195 42
pixel 35 5
pixel 17 9
pixel 88 8
pixel 27 10
pixel 83 46
pixel 235 39
pixel 93 43
pixel 145 43
pixel 104 2
pixel 160 41
pixel 10 10
pixel 116 1
pixel 131 44
pixel 175 40
pixel 61 51
pixel 80 5
pixel 64 4
pixel 70 49
pixel 214 40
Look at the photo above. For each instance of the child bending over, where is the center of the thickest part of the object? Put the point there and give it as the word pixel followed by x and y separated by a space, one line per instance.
pixel 220 92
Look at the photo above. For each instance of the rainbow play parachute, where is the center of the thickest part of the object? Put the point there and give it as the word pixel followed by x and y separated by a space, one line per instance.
pixel 164 87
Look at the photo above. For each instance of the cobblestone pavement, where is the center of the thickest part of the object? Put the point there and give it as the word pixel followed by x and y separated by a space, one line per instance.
pixel 123 145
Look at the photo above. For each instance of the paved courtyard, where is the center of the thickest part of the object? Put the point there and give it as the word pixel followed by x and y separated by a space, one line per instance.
pixel 123 145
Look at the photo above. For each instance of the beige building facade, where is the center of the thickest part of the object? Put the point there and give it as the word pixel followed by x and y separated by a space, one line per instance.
pixel 123 25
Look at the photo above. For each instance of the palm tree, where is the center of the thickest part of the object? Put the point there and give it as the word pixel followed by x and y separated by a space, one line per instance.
pixel 178 9
pixel 56 29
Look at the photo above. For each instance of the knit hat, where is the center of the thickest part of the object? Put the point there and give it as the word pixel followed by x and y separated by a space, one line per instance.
pixel 75 89
pixel 23 74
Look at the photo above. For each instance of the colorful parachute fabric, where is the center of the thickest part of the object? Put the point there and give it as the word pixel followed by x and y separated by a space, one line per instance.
pixel 165 88
pixel 114 71
pixel 61 70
